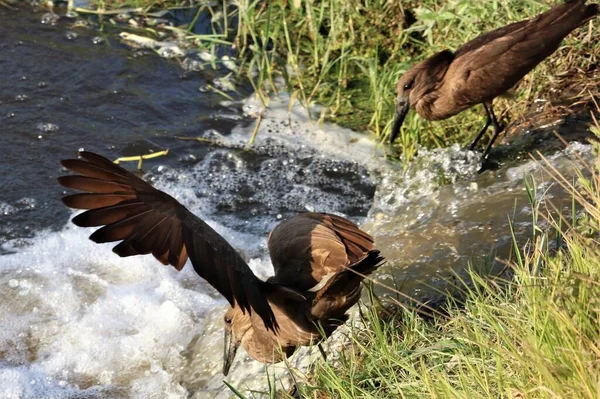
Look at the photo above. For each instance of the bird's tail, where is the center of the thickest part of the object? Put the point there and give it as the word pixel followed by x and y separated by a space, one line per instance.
pixel 578 7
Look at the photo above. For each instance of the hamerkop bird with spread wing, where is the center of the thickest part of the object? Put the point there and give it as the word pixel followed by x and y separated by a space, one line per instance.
pixel 319 259
pixel 484 68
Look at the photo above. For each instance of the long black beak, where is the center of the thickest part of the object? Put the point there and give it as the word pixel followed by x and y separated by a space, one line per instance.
pixel 229 351
pixel 402 107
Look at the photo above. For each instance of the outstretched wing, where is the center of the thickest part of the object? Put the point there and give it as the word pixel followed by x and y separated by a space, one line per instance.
pixel 147 220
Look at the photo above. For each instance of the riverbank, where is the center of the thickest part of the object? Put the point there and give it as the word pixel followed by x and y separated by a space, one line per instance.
pixel 533 335
pixel 347 56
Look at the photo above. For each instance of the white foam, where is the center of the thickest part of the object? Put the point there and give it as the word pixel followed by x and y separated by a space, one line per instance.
pixel 298 129
pixel 82 314
pixel 421 181
pixel 21 205
pixel 75 316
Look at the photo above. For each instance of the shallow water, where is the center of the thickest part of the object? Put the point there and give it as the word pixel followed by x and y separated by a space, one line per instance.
pixel 80 322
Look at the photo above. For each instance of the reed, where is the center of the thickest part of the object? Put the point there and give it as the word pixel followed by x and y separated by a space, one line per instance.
pixel 348 55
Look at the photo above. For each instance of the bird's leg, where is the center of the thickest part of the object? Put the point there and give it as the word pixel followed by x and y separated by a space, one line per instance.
pixel 488 122
pixel 322 352
pixel 497 131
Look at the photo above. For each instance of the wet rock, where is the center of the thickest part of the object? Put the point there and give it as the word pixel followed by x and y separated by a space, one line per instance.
pixel 202 377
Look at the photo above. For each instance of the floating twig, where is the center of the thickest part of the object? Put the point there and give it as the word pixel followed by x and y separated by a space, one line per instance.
pixel 140 158
pixel 3 4
pixel 102 11
pixel 203 140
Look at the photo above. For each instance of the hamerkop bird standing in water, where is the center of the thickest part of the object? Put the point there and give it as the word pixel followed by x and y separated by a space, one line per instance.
pixel 319 259
pixel 486 67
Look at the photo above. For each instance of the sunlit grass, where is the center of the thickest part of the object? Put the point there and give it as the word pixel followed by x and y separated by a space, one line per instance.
pixel 532 334
pixel 146 5
pixel 348 55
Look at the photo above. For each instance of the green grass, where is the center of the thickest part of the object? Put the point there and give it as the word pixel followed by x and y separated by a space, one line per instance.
pixel 536 335
pixel 146 5
pixel 348 55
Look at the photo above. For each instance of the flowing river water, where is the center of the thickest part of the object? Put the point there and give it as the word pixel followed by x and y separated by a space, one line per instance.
pixel 78 321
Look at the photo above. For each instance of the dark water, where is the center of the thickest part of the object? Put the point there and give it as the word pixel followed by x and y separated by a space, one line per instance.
pixel 59 95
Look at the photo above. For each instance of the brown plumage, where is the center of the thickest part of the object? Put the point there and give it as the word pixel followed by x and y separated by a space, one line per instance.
pixel 486 67
pixel 319 259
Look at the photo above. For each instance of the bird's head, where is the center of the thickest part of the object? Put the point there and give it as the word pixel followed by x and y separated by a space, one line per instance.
pixel 416 83
pixel 237 325
pixel 404 100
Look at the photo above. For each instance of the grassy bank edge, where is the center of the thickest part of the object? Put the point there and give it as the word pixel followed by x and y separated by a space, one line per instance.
pixel 348 55
pixel 536 335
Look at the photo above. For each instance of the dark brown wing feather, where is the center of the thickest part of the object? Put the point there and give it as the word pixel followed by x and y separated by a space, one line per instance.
pixel 342 290
pixel 495 61
pixel 147 220
pixel 356 241
pixel 311 246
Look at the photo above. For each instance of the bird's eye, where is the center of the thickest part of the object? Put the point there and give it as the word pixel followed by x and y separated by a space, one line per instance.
pixel 408 85
pixel 228 320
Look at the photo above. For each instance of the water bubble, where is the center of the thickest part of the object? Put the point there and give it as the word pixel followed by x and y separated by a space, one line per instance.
pixel 171 52
pixel 21 97
pixel 98 40
pixel 70 35
pixel 188 158
pixel 122 17
pixel 26 203
pixel 11 115
pixel 47 127
pixel 6 209
pixel 50 18
pixel 206 56
pixel 13 283
pixel 41 85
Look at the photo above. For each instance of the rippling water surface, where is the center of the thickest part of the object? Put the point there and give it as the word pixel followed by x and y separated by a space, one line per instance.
pixel 77 321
